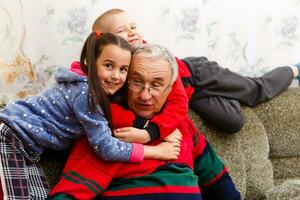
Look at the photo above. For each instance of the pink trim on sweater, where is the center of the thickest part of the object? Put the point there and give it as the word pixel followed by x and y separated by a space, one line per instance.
pixel 137 153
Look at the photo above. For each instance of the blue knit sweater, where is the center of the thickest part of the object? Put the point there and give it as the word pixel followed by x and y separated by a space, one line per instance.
pixel 53 118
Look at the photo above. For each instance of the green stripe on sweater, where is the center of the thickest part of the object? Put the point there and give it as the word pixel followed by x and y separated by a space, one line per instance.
pixel 172 175
pixel 61 197
pixel 78 179
pixel 196 139
pixel 208 166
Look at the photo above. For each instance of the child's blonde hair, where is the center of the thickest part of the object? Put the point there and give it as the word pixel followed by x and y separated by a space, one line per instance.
pixel 98 23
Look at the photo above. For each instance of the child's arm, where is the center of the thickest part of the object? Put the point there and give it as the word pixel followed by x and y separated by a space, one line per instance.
pixel 164 151
pixel 108 147
pixel 126 119
pixel 100 136
pixel 123 122
pixel 132 134
pixel 172 115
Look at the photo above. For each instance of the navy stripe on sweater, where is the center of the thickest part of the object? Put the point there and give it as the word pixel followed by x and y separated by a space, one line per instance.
pixel 160 196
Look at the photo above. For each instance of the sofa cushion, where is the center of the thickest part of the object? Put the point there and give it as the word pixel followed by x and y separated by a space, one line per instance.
pixel 281 119
pixel 246 154
pixel 290 190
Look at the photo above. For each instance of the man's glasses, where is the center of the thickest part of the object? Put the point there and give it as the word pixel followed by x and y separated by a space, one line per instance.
pixel 138 86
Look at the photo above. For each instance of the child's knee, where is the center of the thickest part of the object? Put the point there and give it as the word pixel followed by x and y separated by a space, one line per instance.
pixel 233 123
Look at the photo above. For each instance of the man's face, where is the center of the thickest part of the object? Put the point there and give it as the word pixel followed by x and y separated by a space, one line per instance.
pixel 149 85
pixel 123 25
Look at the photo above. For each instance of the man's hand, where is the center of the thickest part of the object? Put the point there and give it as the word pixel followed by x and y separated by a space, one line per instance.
pixel 131 134
pixel 175 136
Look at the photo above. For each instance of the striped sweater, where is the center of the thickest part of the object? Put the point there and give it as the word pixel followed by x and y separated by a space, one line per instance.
pixel 196 173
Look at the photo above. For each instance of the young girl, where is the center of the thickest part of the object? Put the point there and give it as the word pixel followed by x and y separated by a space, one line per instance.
pixel 76 105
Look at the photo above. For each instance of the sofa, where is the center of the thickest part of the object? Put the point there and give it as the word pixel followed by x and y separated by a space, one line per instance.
pixel 263 158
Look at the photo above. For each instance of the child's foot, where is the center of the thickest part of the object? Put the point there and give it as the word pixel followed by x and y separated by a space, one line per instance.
pixel 298 75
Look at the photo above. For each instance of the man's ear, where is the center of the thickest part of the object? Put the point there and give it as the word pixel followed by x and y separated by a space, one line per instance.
pixel 172 85
pixel 170 88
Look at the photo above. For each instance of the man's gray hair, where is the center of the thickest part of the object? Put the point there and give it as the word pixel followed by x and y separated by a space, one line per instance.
pixel 159 52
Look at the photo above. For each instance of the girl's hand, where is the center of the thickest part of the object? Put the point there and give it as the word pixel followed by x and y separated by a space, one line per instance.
pixel 168 150
pixel 162 151
pixel 131 134
pixel 175 136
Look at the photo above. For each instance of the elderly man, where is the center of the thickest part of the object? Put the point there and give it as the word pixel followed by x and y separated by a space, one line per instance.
pixel 197 172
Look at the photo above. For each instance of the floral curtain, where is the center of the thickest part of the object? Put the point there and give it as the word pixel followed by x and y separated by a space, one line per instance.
pixel 249 37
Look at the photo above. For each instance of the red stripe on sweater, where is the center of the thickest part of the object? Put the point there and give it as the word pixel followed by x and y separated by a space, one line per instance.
pixel 157 189
pixel 212 181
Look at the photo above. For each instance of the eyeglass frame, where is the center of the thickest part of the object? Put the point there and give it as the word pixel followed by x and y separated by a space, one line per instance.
pixel 143 86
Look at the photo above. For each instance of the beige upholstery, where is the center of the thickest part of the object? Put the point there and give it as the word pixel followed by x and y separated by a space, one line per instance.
pixel 264 157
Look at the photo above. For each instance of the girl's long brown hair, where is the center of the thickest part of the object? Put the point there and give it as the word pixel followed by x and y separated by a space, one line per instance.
pixel 91 50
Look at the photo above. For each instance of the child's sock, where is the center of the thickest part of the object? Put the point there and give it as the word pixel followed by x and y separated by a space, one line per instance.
pixel 1 192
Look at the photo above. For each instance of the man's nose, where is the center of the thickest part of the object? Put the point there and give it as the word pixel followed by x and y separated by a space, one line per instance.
pixel 145 94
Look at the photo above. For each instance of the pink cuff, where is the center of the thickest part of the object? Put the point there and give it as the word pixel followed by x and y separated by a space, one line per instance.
pixel 137 153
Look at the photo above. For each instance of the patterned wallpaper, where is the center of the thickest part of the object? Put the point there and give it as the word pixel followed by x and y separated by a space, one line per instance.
pixel 249 37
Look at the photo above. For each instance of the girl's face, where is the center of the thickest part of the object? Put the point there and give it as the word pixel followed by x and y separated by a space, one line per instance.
pixel 112 67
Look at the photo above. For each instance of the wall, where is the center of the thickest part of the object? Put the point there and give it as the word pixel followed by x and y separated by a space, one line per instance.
pixel 249 37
